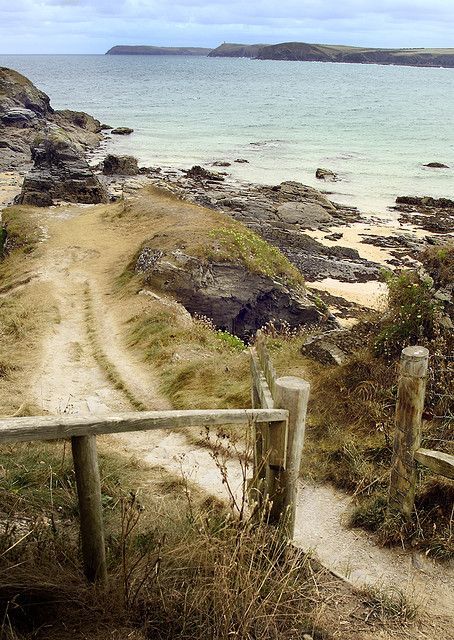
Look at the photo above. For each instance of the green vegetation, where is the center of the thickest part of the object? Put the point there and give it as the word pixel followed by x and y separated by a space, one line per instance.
pixel 235 242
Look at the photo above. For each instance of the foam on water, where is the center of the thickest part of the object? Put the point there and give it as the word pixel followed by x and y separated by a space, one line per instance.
pixel 374 125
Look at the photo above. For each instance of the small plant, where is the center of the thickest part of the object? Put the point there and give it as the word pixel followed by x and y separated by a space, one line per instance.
pixel 389 605
pixel 412 313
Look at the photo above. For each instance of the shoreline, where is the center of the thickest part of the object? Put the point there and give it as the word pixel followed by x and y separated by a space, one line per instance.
pixel 349 239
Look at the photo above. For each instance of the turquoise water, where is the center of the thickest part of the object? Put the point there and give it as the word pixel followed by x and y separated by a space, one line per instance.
pixel 374 125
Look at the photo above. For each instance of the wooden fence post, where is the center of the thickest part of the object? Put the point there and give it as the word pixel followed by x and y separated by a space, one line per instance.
pixel 90 508
pixel 410 404
pixel 257 487
pixel 291 393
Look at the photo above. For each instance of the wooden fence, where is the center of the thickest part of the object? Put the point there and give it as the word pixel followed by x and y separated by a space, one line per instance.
pixel 407 452
pixel 82 430
pixel 278 418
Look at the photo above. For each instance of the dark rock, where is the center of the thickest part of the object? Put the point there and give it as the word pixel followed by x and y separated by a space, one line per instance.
pixel 334 236
pixel 241 161
pixel 221 163
pixel 59 173
pixel 120 165
pixel 326 174
pixel 18 117
pixel 198 173
pixel 122 131
pixel 234 298
pixel 432 214
pixel 436 165
pixel 105 127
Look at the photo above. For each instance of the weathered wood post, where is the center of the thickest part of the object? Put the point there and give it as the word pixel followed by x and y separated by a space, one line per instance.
pixel 410 404
pixel 291 393
pixel 257 487
pixel 90 508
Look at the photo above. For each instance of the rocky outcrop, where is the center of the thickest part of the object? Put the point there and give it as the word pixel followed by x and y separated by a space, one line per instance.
pixel 25 111
pixel 280 214
pixel 432 214
pixel 59 173
pixel 234 298
pixel 120 165
pixel 122 131
pixel 326 174
pixel 436 165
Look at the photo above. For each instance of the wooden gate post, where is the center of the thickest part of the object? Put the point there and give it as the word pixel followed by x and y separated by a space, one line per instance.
pixel 90 507
pixel 410 404
pixel 292 393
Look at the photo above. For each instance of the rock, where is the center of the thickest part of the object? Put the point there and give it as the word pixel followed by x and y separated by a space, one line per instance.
pixel 432 214
pixel 221 163
pixel 326 174
pixel 25 111
pixel 334 236
pixel 59 173
pixel 120 165
pixel 18 117
pixel 307 215
pixel 241 161
pixel 321 349
pixel 234 298
pixel 198 173
pixel 81 119
pixel 105 127
pixel 122 131
pixel 436 165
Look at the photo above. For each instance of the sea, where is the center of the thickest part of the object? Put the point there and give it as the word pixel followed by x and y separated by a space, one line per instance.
pixel 375 126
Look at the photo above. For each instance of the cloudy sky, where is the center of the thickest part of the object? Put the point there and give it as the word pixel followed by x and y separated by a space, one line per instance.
pixel 93 26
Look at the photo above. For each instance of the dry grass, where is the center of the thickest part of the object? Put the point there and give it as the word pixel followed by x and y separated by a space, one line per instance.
pixel 179 565
pixel 24 312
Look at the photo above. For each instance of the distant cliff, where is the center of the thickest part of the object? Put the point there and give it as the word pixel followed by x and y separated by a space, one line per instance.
pixel 142 50
pixel 231 50
pixel 336 53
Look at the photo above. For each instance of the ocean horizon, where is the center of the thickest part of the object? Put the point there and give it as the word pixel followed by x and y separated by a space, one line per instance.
pixel 375 126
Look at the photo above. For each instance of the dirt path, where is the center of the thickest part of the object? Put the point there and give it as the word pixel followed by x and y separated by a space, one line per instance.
pixel 80 254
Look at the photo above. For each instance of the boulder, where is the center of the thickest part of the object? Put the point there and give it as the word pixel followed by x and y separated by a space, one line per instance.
pixel 326 174
pixel 120 165
pixel 221 163
pixel 59 173
pixel 198 174
pixel 436 165
pixel 234 298
pixel 323 350
pixel 241 161
pixel 81 119
pixel 307 215
pixel 122 131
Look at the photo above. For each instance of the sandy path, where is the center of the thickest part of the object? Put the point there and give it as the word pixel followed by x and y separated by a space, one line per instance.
pixel 80 248
pixel 79 254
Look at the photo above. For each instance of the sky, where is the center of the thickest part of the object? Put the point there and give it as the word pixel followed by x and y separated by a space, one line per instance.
pixel 93 26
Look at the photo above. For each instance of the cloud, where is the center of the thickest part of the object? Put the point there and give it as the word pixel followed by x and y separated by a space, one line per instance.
pixel 41 26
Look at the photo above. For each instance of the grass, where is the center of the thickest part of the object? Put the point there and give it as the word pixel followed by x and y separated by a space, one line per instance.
pixel 179 566
pixel 24 313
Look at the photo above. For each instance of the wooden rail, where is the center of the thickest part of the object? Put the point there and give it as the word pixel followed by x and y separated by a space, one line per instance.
pixel 60 427
pixel 83 431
